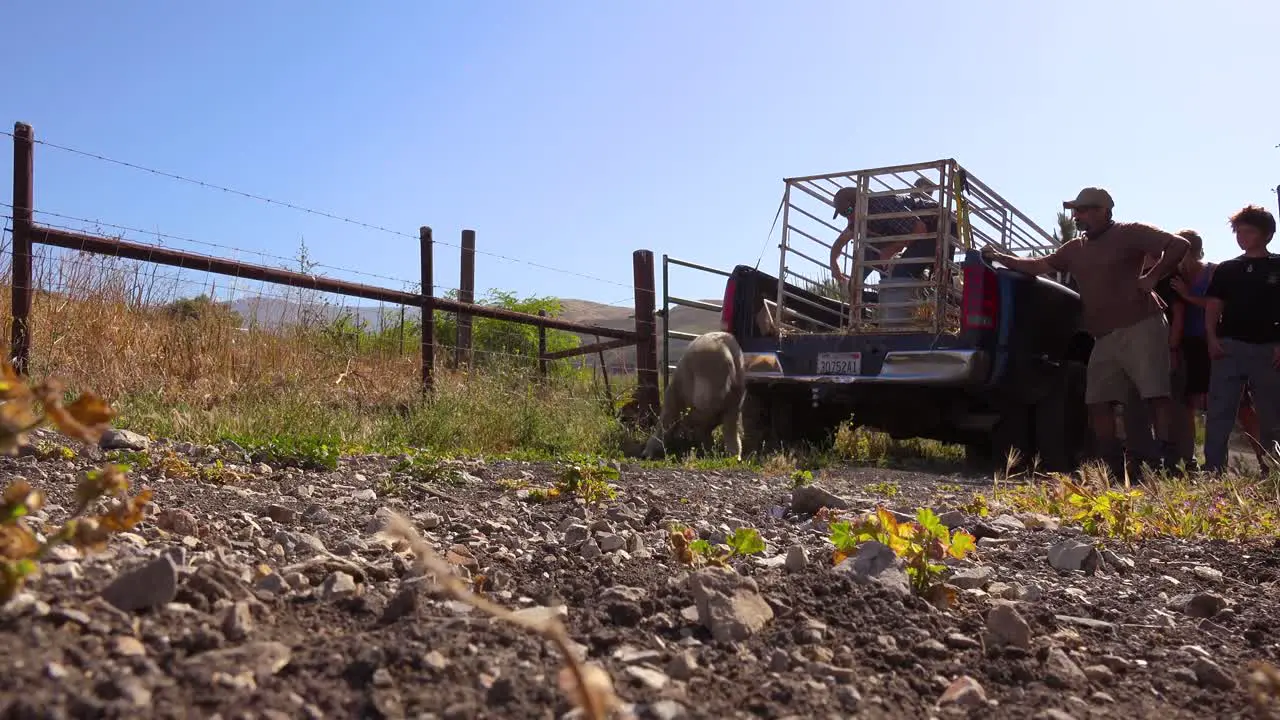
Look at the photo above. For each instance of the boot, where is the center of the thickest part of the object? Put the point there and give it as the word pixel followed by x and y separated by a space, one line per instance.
pixel 1170 458
pixel 1113 456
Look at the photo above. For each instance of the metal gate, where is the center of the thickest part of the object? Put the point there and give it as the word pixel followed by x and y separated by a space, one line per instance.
pixel 668 300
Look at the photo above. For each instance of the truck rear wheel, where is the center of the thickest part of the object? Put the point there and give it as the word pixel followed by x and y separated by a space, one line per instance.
pixel 1056 428
pixel 777 417
pixel 1062 422
pixel 1013 431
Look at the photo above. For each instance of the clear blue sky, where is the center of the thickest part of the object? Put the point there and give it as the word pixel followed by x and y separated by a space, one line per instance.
pixel 572 132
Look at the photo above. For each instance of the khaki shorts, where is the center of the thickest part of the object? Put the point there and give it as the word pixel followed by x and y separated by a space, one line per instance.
pixel 1137 354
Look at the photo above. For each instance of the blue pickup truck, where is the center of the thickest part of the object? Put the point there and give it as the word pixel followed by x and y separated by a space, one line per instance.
pixel 991 358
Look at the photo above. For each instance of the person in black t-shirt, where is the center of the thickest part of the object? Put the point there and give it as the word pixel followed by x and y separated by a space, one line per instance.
pixel 1242 323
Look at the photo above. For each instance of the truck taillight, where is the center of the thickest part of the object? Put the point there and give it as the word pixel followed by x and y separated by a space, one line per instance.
pixel 980 303
pixel 726 309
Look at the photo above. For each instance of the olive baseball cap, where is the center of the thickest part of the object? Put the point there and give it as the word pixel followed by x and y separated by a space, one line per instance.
pixel 1090 197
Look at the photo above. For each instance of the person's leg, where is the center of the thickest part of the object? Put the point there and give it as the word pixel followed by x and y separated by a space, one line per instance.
pixel 1226 381
pixel 1147 363
pixel 1247 421
pixel 1105 385
pixel 1195 356
pixel 1139 440
pixel 1182 430
pixel 1264 391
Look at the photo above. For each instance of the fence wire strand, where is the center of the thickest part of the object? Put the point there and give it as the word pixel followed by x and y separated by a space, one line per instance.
pixel 310 211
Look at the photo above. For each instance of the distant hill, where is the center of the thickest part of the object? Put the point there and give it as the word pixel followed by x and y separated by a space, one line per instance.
pixel 272 312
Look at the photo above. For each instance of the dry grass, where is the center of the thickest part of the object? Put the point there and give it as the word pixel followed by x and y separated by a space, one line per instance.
pixel 204 378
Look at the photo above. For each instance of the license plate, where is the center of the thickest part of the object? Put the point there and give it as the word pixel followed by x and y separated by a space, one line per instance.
pixel 847 363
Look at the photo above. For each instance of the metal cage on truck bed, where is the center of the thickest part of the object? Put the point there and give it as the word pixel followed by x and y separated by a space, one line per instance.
pixel 940 189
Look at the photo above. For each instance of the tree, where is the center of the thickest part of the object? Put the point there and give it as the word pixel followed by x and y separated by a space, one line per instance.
pixel 1067 229
pixel 499 342
pixel 203 307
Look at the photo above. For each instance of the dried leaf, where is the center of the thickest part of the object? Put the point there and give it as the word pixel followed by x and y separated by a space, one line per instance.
pixel 597 692
pixel 19 500
pixel 11 385
pixel 86 534
pixel 17 542
pixel 100 482
pixel 91 410
pixel 125 513
pixel 942 596
pixel 12 576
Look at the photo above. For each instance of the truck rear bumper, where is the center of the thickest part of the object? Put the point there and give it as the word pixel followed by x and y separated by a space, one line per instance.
pixel 937 368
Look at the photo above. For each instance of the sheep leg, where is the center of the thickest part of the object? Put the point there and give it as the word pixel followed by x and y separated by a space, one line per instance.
pixel 668 420
pixel 731 421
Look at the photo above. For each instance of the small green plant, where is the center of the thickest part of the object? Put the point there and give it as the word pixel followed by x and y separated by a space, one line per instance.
pixel 801 478
pixel 48 450
pixel 886 488
pixel 589 480
pixel 388 486
pixel 949 488
pixel 216 473
pixel 923 544
pixel 689 549
pixel 429 469
pixel 1108 513
pixel 174 466
pixel 977 505
pixel 304 453
pixel 130 459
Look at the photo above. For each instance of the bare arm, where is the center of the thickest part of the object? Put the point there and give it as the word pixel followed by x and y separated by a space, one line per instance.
pixel 1171 247
pixel 837 248
pixel 1028 266
pixel 1212 314
pixel 1057 261
pixel 892 249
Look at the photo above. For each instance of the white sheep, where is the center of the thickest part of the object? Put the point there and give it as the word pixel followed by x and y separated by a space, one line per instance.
pixel 706 390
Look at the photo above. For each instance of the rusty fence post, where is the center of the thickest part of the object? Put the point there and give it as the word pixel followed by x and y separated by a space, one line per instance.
pixel 542 347
pixel 428 311
pixel 466 294
pixel 646 341
pixel 23 208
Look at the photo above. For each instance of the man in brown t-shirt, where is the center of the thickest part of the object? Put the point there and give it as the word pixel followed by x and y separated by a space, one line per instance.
pixel 1131 334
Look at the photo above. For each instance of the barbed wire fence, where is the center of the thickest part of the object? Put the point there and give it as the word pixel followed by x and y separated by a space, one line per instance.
pixel 45 255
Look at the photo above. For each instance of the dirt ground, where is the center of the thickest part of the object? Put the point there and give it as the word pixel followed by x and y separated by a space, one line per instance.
pixel 339 627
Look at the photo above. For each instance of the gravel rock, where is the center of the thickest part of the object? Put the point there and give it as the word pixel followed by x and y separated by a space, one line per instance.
pixel 117 439
pixel 797 558
pixel 809 499
pixel 1210 674
pixel 964 692
pixel 1006 627
pixel 1073 555
pixel 146 587
pixel 874 562
pixel 973 578
pixel 730 606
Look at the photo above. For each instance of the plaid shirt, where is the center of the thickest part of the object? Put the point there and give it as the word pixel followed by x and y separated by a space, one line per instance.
pixel 890 226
